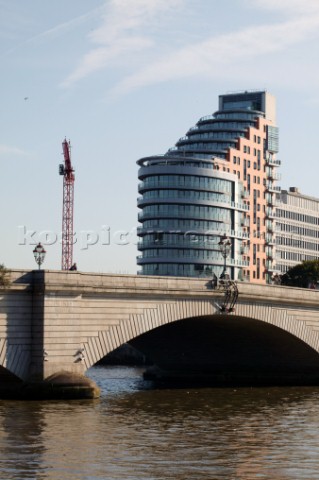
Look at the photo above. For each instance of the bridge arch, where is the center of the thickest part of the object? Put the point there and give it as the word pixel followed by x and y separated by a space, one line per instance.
pixel 14 360
pixel 295 322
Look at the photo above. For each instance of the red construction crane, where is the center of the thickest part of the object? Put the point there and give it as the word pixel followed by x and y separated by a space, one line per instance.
pixel 68 202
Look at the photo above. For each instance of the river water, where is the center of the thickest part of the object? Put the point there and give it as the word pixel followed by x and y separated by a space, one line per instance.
pixel 135 431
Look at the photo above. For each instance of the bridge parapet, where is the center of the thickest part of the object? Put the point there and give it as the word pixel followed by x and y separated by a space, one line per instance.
pixel 149 286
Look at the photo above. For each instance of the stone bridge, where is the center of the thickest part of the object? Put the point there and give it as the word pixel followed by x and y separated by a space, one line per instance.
pixel 55 325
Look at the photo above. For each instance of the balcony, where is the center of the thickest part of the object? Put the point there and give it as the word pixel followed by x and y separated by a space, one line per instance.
pixel 208 245
pixel 272 175
pixel 272 189
pixel 244 194
pixel 271 268
pixel 270 240
pixel 270 213
pixel 244 222
pixel 273 162
pixel 244 250
pixel 204 199
pixel 190 257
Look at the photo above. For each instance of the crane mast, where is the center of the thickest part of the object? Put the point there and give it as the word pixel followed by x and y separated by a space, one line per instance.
pixel 67 171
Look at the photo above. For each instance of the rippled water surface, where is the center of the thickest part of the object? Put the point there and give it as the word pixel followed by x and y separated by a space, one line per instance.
pixel 136 432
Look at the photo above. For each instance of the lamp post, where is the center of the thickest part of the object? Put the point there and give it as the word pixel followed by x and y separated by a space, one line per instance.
pixel 224 248
pixel 39 254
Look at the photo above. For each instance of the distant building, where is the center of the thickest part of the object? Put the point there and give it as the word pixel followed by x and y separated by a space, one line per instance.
pixel 297 228
pixel 218 179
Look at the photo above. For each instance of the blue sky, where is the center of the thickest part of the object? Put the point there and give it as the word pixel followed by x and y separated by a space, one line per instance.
pixel 123 79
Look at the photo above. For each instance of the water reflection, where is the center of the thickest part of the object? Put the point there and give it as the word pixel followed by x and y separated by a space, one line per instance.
pixel 136 432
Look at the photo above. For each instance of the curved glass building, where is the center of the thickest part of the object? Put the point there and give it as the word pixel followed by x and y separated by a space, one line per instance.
pixel 204 188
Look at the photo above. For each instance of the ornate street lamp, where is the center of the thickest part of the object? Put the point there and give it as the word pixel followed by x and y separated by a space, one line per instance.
pixel 224 248
pixel 39 254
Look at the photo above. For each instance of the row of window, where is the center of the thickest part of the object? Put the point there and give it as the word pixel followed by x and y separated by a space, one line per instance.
pixel 247 177
pixel 187 238
pixel 181 270
pixel 187 194
pixel 188 181
pixel 235 115
pixel 256 152
pixel 185 223
pixel 295 243
pixel 194 211
pixel 225 125
pixel 183 253
pixel 189 226
pixel 236 104
pixel 213 135
pixel 295 231
pixel 186 270
pixel 299 217
pixel 213 146
pixel 183 154
pixel 183 162
pixel 295 256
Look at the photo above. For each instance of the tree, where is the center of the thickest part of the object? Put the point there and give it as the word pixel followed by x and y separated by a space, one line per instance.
pixel 302 275
pixel 4 277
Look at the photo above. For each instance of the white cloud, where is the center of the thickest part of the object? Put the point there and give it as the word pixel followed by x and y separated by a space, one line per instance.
pixel 102 56
pixel 120 33
pixel 56 30
pixel 6 150
pixel 288 7
pixel 209 57
pixel 127 30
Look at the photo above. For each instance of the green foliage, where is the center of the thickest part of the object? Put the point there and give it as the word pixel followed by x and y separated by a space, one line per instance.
pixel 302 275
pixel 4 277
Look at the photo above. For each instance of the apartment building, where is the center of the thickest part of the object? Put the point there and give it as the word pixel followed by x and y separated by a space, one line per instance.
pixel 297 228
pixel 219 179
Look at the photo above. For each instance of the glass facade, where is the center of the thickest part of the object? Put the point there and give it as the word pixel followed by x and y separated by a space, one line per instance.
pixel 184 215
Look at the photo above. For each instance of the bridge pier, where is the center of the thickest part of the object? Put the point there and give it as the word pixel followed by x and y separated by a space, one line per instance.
pixel 34 362
pixel 61 385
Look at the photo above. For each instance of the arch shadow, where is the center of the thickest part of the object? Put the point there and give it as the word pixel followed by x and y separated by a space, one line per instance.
pixel 228 350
